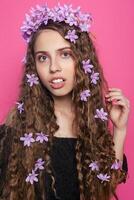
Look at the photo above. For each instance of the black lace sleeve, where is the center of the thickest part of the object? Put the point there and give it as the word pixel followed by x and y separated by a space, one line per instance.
pixel 125 164
pixel 5 148
pixel 125 167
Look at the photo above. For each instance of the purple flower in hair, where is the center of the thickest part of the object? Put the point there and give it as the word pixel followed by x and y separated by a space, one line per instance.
pixel 94 166
pixel 116 165
pixel 87 66
pixel 84 95
pixel 84 27
pixel 32 79
pixel 41 137
pixel 94 77
pixel 32 177
pixel 71 36
pixel 101 114
pixel 71 20
pixel 103 177
pixel 20 107
pixel 27 139
pixel 58 14
pixel 39 164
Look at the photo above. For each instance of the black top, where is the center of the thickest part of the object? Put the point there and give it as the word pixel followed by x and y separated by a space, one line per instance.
pixel 64 165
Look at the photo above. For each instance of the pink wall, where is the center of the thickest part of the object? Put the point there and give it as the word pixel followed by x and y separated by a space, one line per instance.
pixel 114 31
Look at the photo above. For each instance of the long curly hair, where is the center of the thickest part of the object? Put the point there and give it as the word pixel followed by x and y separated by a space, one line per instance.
pixel 94 142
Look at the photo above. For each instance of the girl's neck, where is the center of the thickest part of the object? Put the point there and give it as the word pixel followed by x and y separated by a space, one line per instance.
pixel 63 104
pixel 64 111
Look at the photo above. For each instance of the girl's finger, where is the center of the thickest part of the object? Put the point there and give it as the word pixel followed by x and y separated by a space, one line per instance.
pixel 116 97
pixel 113 93
pixel 122 103
pixel 115 89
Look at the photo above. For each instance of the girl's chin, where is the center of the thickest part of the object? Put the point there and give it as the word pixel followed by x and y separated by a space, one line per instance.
pixel 61 93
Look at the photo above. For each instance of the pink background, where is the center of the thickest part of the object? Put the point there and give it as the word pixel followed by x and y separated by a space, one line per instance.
pixel 114 31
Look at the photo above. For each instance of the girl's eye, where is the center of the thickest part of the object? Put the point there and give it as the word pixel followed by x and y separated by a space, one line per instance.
pixel 66 54
pixel 42 58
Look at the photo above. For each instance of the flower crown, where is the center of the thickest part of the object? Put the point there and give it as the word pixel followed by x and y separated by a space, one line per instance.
pixel 42 14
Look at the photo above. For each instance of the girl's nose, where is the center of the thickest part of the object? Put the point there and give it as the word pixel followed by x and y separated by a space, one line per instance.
pixel 55 66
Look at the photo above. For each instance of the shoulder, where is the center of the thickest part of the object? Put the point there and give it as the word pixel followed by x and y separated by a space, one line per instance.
pixel 2 130
pixel 5 131
pixel 5 149
pixel 5 142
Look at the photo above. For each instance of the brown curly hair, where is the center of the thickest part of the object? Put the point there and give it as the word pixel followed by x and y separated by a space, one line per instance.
pixel 94 142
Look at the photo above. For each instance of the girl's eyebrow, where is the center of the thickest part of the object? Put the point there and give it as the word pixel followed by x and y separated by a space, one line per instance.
pixel 37 52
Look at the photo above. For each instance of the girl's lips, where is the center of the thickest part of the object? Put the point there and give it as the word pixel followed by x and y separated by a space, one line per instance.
pixel 57 85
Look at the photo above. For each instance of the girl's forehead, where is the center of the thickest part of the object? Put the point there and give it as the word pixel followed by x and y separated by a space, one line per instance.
pixel 49 34
pixel 50 39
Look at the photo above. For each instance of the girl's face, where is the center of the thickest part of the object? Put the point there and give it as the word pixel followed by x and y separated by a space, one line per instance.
pixel 54 62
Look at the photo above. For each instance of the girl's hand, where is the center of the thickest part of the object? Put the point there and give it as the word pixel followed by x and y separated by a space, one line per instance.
pixel 118 107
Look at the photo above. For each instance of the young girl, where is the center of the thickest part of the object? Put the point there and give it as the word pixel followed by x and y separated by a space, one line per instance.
pixel 56 142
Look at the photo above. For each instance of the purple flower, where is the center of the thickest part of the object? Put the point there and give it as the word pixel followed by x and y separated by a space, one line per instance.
pixel 101 114
pixel 71 20
pixel 94 166
pixel 84 27
pixel 32 177
pixel 32 79
pixel 58 15
pixel 20 107
pixel 39 164
pixel 94 77
pixel 84 22
pixel 71 36
pixel 28 139
pixel 41 137
pixel 84 95
pixel 87 66
pixel 116 165
pixel 103 177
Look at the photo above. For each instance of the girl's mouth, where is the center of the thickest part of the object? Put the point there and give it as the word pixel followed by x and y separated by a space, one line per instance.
pixel 57 84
